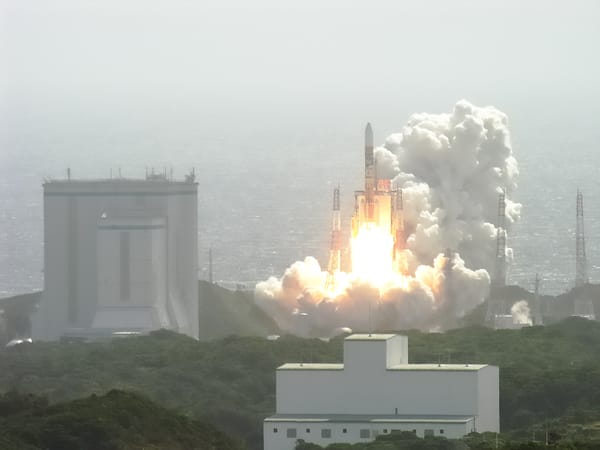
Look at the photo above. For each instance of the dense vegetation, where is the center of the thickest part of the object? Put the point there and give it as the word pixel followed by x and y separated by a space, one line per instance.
pixel 550 376
pixel 117 420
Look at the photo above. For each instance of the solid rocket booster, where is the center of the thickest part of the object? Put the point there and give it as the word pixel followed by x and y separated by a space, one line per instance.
pixel 369 175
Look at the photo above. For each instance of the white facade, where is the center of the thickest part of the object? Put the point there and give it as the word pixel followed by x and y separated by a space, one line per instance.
pixel 120 256
pixel 376 391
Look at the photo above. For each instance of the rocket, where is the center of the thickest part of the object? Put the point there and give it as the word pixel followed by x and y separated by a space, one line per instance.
pixel 369 175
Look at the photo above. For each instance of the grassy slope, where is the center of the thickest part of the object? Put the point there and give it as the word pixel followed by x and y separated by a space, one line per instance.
pixel 224 312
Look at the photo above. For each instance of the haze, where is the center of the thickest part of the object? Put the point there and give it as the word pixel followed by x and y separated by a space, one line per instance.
pixel 261 56
pixel 268 100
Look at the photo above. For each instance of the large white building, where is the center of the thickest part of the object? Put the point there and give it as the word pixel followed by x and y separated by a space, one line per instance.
pixel 376 391
pixel 120 255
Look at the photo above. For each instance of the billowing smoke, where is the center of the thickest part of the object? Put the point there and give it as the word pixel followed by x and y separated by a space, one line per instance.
pixel 451 169
pixel 521 313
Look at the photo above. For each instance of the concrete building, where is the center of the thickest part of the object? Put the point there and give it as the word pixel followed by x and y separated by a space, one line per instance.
pixel 120 255
pixel 376 391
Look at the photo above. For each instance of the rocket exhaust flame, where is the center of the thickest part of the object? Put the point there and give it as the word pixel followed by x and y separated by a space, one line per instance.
pixel 415 231
pixel 372 254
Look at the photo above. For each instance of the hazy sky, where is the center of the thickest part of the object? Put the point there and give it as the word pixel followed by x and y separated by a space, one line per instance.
pixel 267 52
pixel 282 90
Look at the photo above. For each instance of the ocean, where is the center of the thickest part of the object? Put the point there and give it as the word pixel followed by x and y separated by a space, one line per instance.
pixel 266 181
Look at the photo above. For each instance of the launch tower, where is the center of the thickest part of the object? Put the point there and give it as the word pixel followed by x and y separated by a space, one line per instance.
pixel 500 268
pixel 336 241
pixel 497 306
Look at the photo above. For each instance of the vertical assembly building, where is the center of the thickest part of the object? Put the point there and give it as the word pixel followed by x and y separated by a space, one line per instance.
pixel 120 256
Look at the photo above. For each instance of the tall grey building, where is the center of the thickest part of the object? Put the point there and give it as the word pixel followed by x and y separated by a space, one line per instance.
pixel 120 255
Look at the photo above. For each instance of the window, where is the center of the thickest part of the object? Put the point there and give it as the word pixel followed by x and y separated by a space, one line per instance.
pixel 326 433
pixel 344 430
pixel 428 433
pixel 385 431
pixel 364 434
pixel 291 432
pixel 441 431
pixel 308 430
pixel 275 430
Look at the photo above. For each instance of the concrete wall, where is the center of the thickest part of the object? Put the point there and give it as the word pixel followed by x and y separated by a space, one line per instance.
pixel 374 352
pixel 377 391
pixel 488 418
pixel 278 440
pixel 72 210
pixel 372 383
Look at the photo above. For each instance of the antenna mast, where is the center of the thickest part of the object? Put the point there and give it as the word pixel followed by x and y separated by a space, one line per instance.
pixel 581 275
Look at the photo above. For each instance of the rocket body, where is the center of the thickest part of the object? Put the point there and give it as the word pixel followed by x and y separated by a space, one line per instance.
pixel 379 207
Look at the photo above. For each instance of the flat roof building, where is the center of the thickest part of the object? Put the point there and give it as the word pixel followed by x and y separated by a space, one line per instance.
pixel 120 256
pixel 377 391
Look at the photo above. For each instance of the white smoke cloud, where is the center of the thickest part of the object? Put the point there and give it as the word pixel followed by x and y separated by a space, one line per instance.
pixel 521 314
pixel 451 169
pixel 298 303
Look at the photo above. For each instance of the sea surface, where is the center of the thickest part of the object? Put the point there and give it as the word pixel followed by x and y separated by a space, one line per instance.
pixel 266 180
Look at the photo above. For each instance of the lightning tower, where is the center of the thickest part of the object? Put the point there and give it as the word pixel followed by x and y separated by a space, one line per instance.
pixel 500 268
pixel 336 242
pixel 497 306
pixel 581 276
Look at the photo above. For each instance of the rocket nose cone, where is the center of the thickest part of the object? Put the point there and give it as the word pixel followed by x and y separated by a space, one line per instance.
pixel 369 135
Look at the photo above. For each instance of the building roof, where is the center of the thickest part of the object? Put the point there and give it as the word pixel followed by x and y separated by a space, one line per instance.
pixel 399 367
pixel 370 337
pixel 311 366
pixel 112 181
pixel 118 187
pixel 349 418
pixel 457 367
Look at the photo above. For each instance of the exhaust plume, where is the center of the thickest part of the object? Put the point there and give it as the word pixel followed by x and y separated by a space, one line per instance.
pixel 521 314
pixel 450 169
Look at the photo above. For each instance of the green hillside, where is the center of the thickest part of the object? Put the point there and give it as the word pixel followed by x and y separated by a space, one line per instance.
pixel 547 374
pixel 117 420
pixel 223 312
